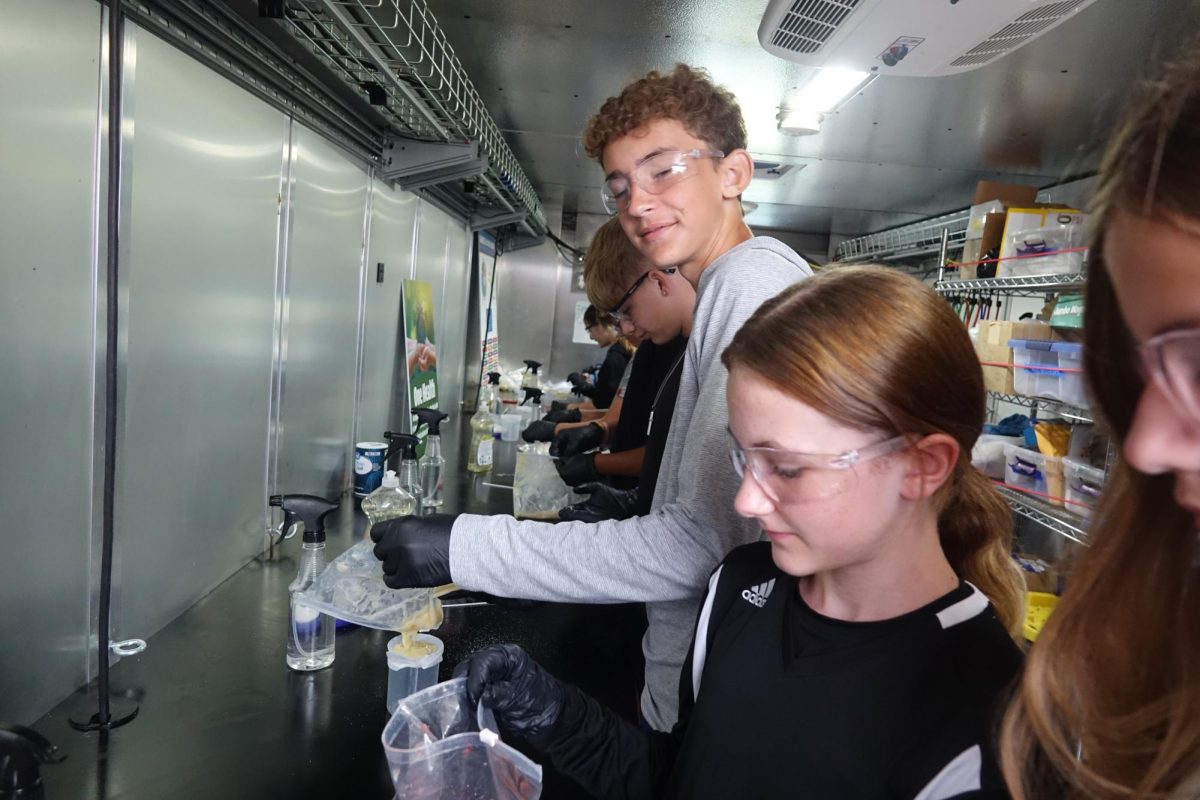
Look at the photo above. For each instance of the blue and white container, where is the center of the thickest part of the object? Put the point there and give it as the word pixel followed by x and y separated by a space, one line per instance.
pixel 368 467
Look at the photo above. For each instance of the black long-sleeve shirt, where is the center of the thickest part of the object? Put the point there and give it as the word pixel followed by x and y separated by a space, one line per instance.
pixel 608 378
pixel 777 701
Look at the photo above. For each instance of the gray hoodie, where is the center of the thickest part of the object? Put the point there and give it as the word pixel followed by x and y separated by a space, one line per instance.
pixel 663 559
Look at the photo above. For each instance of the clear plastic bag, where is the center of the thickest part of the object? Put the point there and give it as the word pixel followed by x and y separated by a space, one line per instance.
pixel 538 491
pixel 352 588
pixel 440 746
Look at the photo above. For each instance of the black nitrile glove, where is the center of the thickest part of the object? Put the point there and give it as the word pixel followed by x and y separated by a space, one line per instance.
pixel 558 405
pixel 539 431
pixel 525 698
pixel 577 440
pixel 576 380
pixel 564 415
pixel 415 551
pixel 577 469
pixel 605 503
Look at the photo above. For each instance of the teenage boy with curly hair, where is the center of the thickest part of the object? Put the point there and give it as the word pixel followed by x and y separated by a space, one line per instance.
pixel 673 150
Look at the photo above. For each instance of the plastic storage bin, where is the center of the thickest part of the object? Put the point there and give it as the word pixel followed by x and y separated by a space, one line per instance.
pixel 1034 472
pixel 1084 484
pixel 1049 369
pixel 988 453
pixel 1040 251
pixel 1038 606
pixel 409 674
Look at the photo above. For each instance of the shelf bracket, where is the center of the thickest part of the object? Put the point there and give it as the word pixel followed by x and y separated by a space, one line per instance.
pixel 417 164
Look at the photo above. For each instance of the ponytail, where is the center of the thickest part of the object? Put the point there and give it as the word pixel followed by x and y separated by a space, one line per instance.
pixel 975 529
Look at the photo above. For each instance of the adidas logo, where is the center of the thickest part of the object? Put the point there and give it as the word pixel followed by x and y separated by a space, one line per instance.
pixel 757 595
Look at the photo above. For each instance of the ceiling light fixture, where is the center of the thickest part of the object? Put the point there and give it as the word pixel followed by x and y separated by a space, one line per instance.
pixel 803 110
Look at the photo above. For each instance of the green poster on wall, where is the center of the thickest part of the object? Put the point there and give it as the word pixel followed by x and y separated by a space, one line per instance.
pixel 419 344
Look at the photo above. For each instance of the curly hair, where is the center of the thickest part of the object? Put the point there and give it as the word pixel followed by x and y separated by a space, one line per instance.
pixel 687 95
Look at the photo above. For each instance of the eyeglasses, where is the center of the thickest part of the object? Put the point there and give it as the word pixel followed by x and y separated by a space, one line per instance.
pixel 785 475
pixel 619 313
pixel 654 174
pixel 1172 361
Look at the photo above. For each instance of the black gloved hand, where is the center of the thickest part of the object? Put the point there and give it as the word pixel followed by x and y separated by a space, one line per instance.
pixel 415 551
pixel 605 503
pixel 525 698
pixel 577 469
pixel 564 415
pixel 558 405
pixel 577 440
pixel 539 431
pixel 576 380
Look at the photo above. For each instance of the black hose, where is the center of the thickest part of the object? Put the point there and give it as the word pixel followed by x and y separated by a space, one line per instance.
pixel 487 318
pixel 115 70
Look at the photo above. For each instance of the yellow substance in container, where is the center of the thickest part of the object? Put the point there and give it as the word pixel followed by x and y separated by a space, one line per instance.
pixel 1038 606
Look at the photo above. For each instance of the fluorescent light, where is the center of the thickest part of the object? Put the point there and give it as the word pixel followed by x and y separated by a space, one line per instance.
pixel 803 109
pixel 826 89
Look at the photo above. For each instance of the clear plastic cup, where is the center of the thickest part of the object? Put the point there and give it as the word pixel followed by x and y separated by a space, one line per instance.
pixel 410 674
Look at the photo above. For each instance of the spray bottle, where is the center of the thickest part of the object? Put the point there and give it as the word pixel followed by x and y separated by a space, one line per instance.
pixel 310 634
pixel 408 474
pixel 432 462
pixel 533 396
pixel 388 501
pixel 489 395
pixel 531 377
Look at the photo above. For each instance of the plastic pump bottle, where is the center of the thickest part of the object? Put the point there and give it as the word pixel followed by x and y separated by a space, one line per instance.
pixel 310 633
pixel 388 501
pixel 531 377
pixel 431 463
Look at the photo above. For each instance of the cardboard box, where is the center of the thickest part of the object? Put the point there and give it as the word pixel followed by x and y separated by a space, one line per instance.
pixel 1010 194
pixel 991 344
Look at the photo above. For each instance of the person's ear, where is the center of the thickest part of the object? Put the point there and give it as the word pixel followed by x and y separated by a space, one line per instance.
pixel 931 462
pixel 660 283
pixel 737 169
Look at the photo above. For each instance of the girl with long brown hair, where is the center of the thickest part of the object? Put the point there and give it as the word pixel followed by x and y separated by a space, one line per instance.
pixel 1109 705
pixel 854 652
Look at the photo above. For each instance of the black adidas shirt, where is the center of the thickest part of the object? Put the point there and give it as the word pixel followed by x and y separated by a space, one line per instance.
pixel 791 704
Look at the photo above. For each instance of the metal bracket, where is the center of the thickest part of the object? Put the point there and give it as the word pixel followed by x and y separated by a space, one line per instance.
pixel 416 164
pixel 487 219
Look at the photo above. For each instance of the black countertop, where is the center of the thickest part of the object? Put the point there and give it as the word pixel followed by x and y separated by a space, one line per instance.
pixel 221 716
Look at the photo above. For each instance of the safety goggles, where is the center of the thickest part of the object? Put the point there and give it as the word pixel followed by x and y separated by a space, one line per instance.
pixel 620 313
pixel 1172 361
pixel 654 174
pixel 789 476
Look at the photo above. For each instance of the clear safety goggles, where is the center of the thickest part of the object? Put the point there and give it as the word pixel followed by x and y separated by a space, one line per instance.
pixel 789 476
pixel 655 175
pixel 620 313
pixel 1172 361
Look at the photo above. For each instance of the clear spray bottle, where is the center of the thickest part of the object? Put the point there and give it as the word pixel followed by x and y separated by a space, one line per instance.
pixel 409 472
pixel 310 633
pixel 432 463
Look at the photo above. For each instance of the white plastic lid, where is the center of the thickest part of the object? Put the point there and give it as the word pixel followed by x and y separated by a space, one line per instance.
pixel 400 661
pixel 390 481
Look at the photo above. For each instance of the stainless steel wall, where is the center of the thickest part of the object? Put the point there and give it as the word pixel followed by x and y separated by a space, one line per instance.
pixel 198 283
pixel 381 400
pixel 48 99
pixel 324 266
pixel 567 356
pixel 253 337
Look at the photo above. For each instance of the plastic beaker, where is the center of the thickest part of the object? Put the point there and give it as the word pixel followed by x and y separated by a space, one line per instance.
pixel 411 672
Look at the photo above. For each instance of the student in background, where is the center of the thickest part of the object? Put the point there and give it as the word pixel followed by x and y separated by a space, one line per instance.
pixel 855 654
pixel 603 331
pixel 1109 706
pixel 655 307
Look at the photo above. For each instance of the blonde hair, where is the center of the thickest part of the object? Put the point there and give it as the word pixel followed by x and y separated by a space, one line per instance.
pixel 686 94
pixel 877 350
pixel 611 265
pixel 1109 705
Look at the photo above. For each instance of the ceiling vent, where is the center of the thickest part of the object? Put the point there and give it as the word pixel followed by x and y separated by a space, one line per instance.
pixel 907 37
